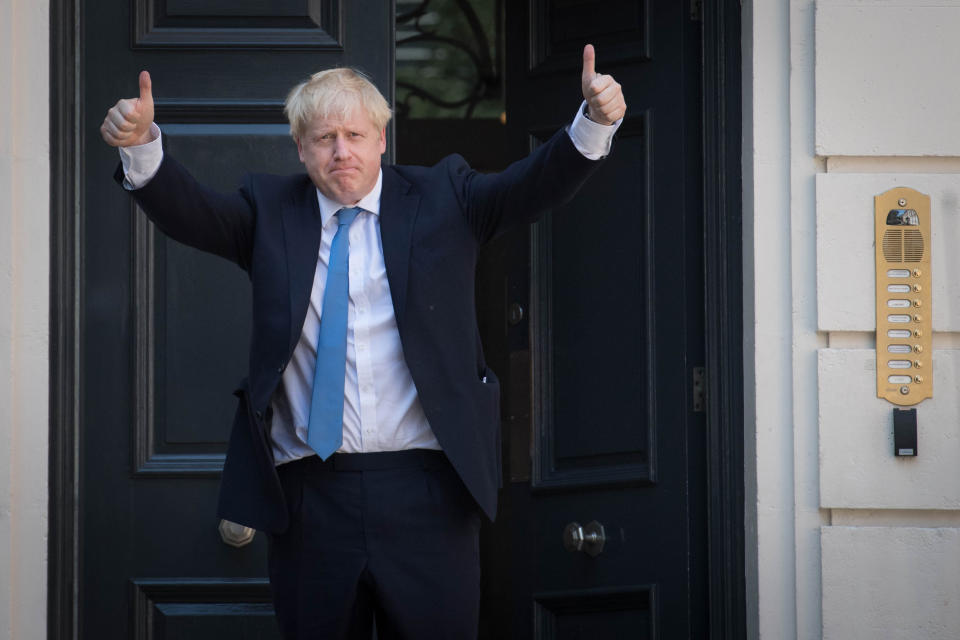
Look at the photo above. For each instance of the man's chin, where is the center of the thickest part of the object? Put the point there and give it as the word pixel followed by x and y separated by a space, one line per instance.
pixel 349 199
pixel 345 195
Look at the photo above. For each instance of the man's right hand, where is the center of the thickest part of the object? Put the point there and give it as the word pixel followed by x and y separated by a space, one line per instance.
pixel 128 122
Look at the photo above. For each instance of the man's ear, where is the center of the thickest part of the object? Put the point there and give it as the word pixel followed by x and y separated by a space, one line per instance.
pixel 383 140
pixel 299 148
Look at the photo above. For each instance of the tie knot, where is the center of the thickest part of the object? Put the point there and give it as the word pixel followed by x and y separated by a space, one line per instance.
pixel 346 216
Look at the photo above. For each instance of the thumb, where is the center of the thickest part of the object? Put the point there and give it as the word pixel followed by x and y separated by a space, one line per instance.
pixel 588 61
pixel 146 89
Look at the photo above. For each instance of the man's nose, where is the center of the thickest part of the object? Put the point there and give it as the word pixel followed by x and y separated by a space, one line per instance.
pixel 340 148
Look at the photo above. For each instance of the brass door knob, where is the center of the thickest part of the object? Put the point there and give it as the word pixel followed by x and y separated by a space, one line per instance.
pixel 235 535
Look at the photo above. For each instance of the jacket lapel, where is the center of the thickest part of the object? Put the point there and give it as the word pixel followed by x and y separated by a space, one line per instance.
pixel 302 228
pixel 399 205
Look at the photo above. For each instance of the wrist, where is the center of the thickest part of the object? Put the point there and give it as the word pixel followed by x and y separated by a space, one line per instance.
pixel 596 119
pixel 146 137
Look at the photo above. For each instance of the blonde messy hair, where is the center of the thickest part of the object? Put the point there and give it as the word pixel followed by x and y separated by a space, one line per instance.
pixel 334 92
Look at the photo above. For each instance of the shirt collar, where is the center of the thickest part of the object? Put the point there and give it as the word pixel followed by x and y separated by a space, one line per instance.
pixel 369 202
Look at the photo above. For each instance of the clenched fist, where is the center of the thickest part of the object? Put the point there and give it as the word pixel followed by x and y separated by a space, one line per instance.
pixel 128 122
pixel 605 103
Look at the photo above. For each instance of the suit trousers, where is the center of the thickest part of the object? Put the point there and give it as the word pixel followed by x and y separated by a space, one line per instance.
pixel 390 538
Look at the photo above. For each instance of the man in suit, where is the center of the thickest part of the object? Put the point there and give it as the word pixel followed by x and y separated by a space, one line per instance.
pixel 366 442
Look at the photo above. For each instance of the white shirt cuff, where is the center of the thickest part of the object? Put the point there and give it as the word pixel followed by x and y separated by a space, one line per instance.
pixel 140 162
pixel 591 139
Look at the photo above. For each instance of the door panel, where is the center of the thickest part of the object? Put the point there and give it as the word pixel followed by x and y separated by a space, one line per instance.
pixel 165 328
pixel 168 609
pixel 590 285
pixel 236 23
pixel 596 613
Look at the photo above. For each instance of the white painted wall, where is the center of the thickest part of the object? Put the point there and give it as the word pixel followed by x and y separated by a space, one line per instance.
pixel 768 353
pixel 24 312
pixel 858 564
pixel 881 99
pixel 857 467
pixel 781 337
pixel 881 88
pixel 826 499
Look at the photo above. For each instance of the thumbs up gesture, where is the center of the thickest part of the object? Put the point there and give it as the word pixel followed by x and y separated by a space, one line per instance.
pixel 128 122
pixel 605 103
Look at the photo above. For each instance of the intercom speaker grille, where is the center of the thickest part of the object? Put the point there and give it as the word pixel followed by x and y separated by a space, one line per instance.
pixel 893 245
pixel 903 245
pixel 912 245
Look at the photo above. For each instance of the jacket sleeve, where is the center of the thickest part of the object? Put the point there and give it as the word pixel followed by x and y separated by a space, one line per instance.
pixel 523 192
pixel 189 212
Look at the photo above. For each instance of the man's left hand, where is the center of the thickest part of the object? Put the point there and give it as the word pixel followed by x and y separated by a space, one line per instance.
pixel 605 103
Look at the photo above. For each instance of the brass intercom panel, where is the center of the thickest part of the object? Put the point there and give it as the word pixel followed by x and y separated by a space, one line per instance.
pixel 904 341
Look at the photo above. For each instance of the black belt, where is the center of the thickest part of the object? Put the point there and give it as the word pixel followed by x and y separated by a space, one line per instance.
pixel 377 461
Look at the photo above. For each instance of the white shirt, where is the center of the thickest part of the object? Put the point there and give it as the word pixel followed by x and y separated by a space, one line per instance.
pixel 381 410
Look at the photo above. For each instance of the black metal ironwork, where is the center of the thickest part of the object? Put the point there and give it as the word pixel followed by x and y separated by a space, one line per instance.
pixel 485 67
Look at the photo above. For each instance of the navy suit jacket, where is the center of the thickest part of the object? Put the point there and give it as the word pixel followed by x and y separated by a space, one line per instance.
pixel 432 221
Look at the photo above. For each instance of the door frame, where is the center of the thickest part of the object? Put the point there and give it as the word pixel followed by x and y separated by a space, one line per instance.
pixel 721 90
pixel 723 306
pixel 65 230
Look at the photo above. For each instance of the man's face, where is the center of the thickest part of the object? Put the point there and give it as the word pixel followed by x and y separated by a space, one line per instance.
pixel 342 157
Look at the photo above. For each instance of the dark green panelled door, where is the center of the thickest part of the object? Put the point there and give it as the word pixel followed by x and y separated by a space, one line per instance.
pixel 595 318
pixel 165 328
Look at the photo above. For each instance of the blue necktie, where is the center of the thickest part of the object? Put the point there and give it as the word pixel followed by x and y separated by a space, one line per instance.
pixel 325 428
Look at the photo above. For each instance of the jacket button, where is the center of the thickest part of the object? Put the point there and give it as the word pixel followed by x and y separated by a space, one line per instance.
pixel 259 415
pixel 280 369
